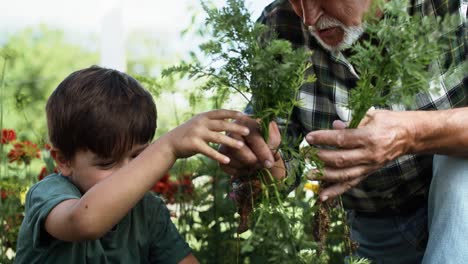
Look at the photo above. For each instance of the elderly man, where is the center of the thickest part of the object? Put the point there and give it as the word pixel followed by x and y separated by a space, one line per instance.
pixel 403 174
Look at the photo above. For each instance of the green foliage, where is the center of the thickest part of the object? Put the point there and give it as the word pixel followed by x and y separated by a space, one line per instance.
pixel 392 71
pixel 32 63
pixel 42 58
pixel 13 190
pixel 357 260
pixel 269 70
pixel 282 232
pixel 244 57
pixel 208 223
pixel 395 69
pixel 7 53
pixel 150 83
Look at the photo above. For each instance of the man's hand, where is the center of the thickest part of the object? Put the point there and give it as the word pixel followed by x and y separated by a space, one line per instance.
pixel 382 136
pixel 256 153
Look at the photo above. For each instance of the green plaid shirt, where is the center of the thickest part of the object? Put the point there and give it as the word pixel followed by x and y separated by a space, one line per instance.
pixel 407 178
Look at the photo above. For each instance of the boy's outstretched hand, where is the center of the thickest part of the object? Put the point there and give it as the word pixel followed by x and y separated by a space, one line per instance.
pixel 193 136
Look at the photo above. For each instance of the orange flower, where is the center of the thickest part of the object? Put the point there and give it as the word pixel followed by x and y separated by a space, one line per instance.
pixel 24 152
pixel 8 135
pixel 16 153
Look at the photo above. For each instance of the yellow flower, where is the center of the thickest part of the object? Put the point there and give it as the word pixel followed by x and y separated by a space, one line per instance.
pixel 312 186
pixel 23 196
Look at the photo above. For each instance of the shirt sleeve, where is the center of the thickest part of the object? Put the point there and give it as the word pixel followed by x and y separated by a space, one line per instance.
pixel 41 199
pixel 167 245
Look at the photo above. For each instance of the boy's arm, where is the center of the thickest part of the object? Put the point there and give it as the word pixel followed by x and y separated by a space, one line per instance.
pixel 107 202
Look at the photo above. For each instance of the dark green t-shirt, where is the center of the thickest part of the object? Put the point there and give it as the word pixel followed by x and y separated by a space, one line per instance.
pixel 145 235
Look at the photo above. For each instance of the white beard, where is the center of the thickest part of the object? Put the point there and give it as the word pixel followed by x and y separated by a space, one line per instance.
pixel 351 33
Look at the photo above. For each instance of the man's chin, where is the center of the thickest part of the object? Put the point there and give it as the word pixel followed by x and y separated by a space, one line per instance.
pixel 333 47
pixel 350 37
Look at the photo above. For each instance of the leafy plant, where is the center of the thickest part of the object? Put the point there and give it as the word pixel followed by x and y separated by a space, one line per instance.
pixel 268 73
pixel 42 57
pixel 13 190
pixel 394 65
pixel 268 70
pixel 16 159
pixel 208 221
pixel 16 156
pixel 397 68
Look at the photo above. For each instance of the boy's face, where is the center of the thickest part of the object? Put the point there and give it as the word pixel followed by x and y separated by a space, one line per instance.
pixel 86 169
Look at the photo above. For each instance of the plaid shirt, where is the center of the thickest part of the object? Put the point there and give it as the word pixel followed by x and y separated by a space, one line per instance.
pixel 407 178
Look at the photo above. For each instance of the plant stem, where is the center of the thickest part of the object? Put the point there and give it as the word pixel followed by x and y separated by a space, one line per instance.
pixel 175 111
pixel 2 95
pixel 347 233
pixel 3 167
pixel 208 74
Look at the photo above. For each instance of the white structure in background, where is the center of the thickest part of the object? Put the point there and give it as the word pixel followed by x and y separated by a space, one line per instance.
pixel 112 35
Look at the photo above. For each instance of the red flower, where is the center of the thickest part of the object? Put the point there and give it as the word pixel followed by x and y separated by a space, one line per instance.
pixel 47 146
pixel 174 190
pixel 170 192
pixel 24 152
pixel 165 178
pixel 8 135
pixel 162 185
pixel 4 195
pixel 42 174
pixel 186 184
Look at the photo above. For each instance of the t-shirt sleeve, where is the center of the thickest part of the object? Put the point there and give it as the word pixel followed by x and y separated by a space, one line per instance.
pixel 167 245
pixel 41 199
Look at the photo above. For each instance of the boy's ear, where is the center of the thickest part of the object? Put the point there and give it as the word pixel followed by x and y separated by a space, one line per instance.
pixel 63 164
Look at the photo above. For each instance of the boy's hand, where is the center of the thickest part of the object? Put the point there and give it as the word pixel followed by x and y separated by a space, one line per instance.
pixel 193 136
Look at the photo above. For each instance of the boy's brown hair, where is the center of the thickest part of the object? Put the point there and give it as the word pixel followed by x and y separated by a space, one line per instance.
pixel 101 110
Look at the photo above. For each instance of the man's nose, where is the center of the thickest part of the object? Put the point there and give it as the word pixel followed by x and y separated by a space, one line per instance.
pixel 311 11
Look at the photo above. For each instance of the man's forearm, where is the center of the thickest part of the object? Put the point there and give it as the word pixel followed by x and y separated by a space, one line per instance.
pixel 441 132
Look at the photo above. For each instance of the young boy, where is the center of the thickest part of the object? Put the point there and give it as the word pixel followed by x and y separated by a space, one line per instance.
pixel 98 209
